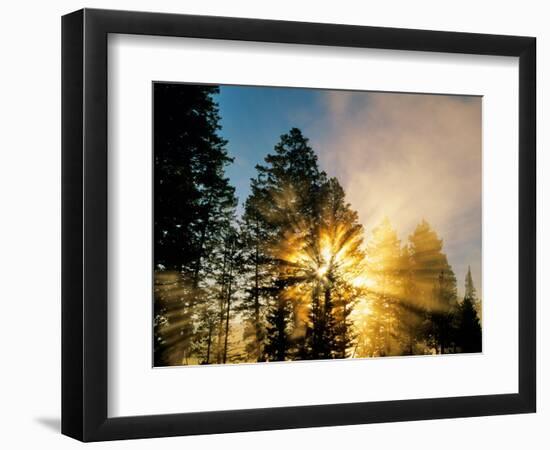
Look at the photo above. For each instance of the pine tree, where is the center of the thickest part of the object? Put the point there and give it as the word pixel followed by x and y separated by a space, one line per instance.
pixel 189 161
pixel 257 278
pixel 468 329
pixel 278 345
pixel 227 270
pixel 441 315
pixel 435 283
pixel 468 333
pixel 411 313
pixel 341 250
pixel 471 293
pixel 283 204
pixel 205 334
pixel 384 263
pixel 469 289
pixel 193 204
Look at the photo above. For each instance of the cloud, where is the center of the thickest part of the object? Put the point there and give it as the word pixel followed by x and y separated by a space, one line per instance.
pixel 409 157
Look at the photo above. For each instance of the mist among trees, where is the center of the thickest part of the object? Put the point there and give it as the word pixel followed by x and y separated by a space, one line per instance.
pixel 295 276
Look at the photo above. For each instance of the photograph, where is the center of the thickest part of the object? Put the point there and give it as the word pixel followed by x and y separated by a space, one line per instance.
pixel 296 224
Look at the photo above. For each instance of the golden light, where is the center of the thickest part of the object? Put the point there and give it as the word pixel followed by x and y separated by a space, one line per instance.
pixel 363 308
pixel 363 281
pixel 322 271
pixel 326 252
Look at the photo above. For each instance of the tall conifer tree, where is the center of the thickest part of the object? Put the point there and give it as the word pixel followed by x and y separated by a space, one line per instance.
pixel 435 283
pixel 468 332
pixel 194 203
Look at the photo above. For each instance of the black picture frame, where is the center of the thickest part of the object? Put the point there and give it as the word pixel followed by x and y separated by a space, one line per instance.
pixel 84 224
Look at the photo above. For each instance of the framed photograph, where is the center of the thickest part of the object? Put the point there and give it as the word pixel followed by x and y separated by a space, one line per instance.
pixel 273 224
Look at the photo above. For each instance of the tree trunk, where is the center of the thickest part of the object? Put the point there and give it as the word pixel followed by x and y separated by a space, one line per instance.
pixel 228 302
pixel 198 261
pixel 257 325
pixel 227 322
pixel 209 344
pixel 221 308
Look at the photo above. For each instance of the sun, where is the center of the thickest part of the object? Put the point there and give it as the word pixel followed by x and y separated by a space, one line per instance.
pixel 326 253
pixel 322 271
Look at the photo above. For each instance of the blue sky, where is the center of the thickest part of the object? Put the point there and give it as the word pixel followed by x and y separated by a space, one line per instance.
pixel 408 157
pixel 253 119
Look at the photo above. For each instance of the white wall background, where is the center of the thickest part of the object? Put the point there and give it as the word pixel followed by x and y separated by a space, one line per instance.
pixel 30 225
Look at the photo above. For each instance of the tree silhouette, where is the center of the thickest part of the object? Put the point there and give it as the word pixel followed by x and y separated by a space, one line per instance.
pixel 435 283
pixel 284 205
pixel 471 292
pixel 194 204
pixel 336 253
pixel 384 262
pixel 468 332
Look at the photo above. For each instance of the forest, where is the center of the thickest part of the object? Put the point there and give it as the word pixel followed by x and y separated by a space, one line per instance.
pixel 294 276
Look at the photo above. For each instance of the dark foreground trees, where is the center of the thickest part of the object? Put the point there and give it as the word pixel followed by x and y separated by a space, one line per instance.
pixel 193 213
